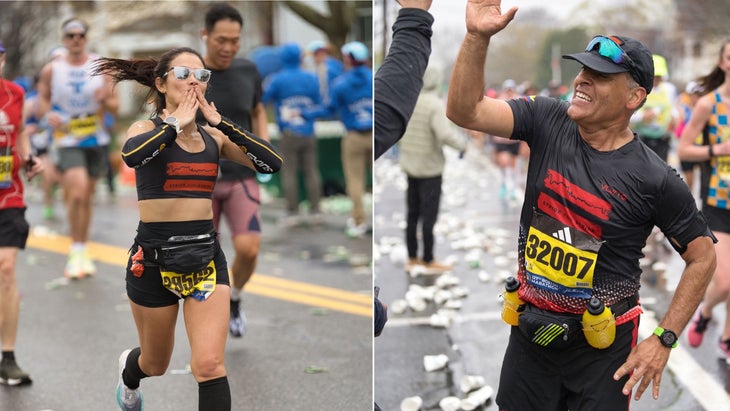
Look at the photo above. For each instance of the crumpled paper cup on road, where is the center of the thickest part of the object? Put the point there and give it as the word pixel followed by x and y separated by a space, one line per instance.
pixel 450 403
pixel 477 398
pixel 411 403
pixel 435 362
pixel 469 383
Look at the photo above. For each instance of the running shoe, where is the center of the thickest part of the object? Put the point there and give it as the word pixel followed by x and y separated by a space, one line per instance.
pixel 413 263
pixel 87 264
pixel 724 347
pixel 435 267
pixel 11 374
pixel 355 230
pixel 74 265
pixel 128 399
pixel 237 323
pixel 696 329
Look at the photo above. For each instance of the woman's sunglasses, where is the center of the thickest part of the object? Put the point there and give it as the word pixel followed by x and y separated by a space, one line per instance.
pixel 182 73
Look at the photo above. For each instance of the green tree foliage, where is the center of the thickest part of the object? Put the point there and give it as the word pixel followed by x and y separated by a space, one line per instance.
pixel 336 25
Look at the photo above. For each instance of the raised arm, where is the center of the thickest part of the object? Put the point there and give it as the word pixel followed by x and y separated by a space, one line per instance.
pixel 467 106
pixel 400 78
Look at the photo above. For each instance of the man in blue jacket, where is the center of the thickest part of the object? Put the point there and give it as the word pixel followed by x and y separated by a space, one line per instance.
pixel 293 90
pixel 351 97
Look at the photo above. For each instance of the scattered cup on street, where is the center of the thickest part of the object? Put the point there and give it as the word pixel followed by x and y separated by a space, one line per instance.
pixel 435 362
pixel 411 403
pixel 450 403
pixel 469 383
pixel 477 398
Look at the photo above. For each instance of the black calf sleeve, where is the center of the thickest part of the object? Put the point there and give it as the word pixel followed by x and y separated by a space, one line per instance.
pixel 214 395
pixel 132 373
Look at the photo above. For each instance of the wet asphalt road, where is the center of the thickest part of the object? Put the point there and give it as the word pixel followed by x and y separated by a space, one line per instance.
pixel 309 309
pixel 477 232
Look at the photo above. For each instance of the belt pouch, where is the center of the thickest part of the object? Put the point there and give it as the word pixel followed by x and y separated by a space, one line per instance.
pixel 187 253
pixel 549 329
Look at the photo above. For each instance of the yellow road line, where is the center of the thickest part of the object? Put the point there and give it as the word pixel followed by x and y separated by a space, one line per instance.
pixel 261 284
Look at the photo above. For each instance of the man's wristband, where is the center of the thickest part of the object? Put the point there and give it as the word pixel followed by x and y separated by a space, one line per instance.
pixel 712 153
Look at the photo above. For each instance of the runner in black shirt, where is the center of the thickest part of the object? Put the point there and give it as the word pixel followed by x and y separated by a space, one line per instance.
pixel 593 194
pixel 235 87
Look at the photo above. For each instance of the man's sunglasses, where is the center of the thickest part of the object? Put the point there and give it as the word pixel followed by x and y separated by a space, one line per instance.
pixel 610 48
pixel 182 73
pixel 75 35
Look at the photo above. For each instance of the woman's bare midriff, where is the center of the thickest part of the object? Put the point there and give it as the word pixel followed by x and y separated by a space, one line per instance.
pixel 175 209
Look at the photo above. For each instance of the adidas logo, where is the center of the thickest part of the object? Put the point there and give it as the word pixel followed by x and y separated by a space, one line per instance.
pixel 564 235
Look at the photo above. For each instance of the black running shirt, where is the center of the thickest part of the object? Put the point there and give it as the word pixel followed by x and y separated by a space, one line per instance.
pixel 235 91
pixel 587 214
pixel 176 173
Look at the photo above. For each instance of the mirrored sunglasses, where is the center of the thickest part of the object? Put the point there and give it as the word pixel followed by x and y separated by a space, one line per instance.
pixel 182 73
pixel 610 48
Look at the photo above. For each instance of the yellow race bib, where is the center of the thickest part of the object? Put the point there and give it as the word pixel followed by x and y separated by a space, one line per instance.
pixel 559 258
pixel 199 284
pixel 6 170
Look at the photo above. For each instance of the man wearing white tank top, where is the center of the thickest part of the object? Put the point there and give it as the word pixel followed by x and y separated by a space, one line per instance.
pixel 74 103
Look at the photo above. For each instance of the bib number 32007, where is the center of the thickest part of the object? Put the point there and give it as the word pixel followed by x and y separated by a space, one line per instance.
pixel 563 262
pixel 543 251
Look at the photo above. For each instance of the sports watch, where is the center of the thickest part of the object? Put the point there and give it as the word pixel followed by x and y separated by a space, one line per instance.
pixel 667 337
pixel 173 122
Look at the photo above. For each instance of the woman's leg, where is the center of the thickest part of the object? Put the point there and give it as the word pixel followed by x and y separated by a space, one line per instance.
pixel 156 331
pixel 206 323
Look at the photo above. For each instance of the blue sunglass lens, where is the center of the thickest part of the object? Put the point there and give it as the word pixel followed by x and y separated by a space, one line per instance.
pixel 606 48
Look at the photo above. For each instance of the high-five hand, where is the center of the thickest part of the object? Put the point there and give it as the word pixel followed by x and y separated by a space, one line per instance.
pixel 485 18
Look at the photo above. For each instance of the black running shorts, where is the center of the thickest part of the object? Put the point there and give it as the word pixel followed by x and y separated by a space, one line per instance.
pixel 14 228
pixel 580 377
pixel 147 290
pixel 717 218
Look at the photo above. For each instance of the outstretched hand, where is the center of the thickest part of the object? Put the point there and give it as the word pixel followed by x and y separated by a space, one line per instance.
pixel 485 18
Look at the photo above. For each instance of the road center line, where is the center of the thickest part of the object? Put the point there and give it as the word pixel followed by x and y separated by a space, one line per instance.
pixel 288 290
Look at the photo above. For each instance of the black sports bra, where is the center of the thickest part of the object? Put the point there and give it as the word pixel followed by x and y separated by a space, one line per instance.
pixel 176 173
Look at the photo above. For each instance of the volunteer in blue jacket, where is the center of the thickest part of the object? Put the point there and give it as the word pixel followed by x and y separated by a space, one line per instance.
pixel 291 91
pixel 351 97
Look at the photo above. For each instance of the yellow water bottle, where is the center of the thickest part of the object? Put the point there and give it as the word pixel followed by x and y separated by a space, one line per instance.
pixel 599 324
pixel 512 305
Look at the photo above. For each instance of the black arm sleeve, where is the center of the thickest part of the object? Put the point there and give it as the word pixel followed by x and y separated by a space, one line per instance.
pixel 400 78
pixel 140 149
pixel 263 155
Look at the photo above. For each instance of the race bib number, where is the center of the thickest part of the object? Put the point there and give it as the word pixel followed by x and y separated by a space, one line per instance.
pixel 6 170
pixel 559 258
pixel 83 127
pixel 199 284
